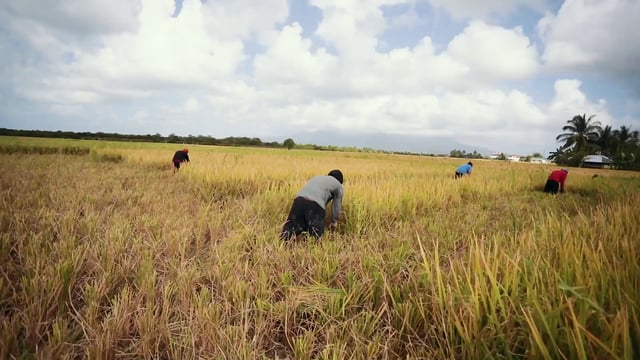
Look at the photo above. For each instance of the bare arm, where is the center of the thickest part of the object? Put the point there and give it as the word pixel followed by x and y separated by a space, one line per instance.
pixel 336 206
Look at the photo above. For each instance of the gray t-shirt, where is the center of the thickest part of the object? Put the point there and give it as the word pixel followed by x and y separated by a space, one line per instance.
pixel 322 189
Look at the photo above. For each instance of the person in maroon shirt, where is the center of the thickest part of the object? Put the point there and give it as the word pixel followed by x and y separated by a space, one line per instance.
pixel 555 181
pixel 179 157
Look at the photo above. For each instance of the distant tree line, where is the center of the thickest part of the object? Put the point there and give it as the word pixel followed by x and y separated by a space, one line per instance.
pixel 465 155
pixel 172 138
pixel 584 136
pixel 190 139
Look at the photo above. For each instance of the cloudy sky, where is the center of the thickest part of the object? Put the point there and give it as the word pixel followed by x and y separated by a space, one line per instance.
pixel 501 74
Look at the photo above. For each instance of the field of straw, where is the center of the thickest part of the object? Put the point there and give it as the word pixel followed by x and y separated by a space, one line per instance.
pixel 106 254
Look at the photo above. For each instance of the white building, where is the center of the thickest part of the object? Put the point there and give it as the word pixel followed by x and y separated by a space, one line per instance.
pixel 538 160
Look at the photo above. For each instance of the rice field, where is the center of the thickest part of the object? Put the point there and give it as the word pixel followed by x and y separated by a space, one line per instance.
pixel 106 254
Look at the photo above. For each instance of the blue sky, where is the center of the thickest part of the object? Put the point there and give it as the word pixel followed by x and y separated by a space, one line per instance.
pixel 499 74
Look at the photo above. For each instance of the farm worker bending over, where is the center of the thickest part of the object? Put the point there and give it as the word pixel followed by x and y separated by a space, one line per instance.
pixel 556 181
pixel 308 210
pixel 464 169
pixel 179 157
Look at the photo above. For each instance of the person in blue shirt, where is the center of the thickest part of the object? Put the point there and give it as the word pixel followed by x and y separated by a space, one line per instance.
pixel 464 170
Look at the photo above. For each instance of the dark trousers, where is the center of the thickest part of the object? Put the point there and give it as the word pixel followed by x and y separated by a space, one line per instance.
pixel 305 216
pixel 551 187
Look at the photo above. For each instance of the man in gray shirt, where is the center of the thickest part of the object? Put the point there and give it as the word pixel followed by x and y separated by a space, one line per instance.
pixel 309 207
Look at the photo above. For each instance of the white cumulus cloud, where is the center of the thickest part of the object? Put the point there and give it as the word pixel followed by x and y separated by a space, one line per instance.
pixel 594 37
pixel 247 68
pixel 494 51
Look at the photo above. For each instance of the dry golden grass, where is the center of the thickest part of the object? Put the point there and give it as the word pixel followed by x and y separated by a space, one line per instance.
pixel 112 256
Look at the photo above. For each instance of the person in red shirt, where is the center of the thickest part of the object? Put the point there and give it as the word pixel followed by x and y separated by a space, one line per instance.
pixel 555 181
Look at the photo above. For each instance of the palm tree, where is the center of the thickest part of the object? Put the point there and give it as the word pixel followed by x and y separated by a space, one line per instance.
pixel 606 140
pixel 557 155
pixel 580 132
pixel 626 140
pixel 625 135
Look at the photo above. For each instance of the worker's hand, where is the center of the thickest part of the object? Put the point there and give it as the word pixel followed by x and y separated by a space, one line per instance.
pixel 333 226
pixel 561 190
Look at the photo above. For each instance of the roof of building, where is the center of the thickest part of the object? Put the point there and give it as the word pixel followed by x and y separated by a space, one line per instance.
pixel 597 159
